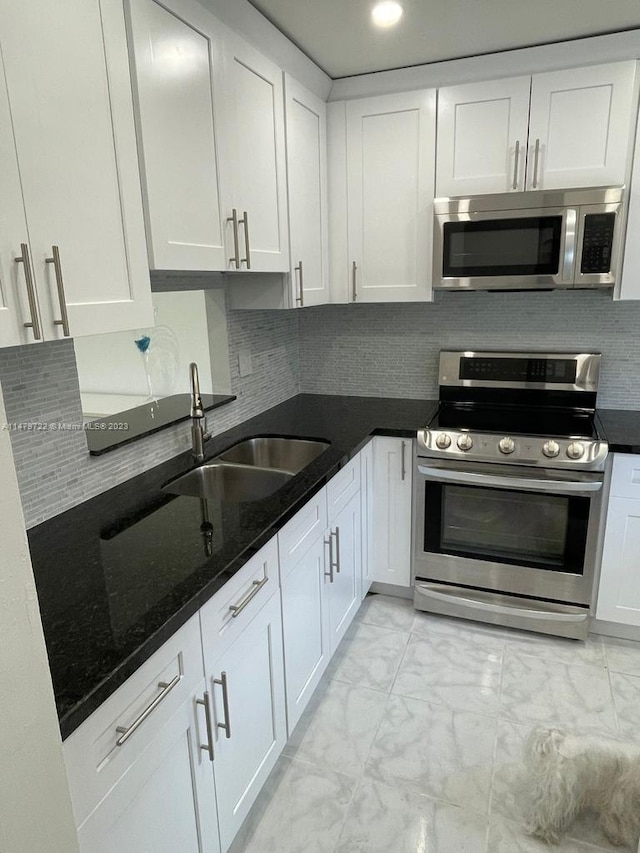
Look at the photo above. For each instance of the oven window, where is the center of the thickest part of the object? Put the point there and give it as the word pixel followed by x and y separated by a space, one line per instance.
pixel 507 526
pixel 520 246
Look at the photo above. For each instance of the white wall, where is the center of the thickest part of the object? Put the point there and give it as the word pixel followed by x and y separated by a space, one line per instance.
pixel 35 809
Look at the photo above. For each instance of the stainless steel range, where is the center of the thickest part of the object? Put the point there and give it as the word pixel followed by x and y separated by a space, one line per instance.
pixel 508 491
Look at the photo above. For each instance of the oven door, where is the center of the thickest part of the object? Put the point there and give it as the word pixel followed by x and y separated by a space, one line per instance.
pixel 505 249
pixel 521 531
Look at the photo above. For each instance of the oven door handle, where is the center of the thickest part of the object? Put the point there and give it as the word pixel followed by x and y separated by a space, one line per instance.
pixel 556 487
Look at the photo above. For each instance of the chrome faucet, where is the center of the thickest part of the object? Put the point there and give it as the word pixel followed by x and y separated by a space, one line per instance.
pixel 199 432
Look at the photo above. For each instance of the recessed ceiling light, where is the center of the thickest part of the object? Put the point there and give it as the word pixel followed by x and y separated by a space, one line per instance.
pixel 386 14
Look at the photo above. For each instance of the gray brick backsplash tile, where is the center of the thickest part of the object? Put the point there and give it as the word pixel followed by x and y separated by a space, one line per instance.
pixel 371 350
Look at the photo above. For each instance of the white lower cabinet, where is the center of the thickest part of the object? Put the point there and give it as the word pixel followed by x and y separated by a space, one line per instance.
pixel 165 802
pixel 171 762
pixel 619 591
pixel 247 696
pixel 390 557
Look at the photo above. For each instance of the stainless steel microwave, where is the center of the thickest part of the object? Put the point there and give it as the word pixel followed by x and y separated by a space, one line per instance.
pixel 528 240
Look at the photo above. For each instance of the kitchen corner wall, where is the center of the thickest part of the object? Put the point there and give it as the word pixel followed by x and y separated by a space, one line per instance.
pixel 392 350
pixel 371 350
pixel 40 385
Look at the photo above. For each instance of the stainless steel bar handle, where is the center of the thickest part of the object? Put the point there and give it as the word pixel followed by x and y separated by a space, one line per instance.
pixel 536 155
pixel 329 574
pixel 336 533
pixel 354 275
pixel 300 299
pixel 570 231
pixel 207 747
pixel 222 681
pixel 556 487
pixel 245 222
pixel 515 166
pixel 57 266
pixel 236 245
pixel 127 731
pixel 403 468
pixel 25 259
pixel 256 586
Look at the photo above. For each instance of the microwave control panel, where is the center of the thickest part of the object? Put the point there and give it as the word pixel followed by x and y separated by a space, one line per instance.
pixel 597 244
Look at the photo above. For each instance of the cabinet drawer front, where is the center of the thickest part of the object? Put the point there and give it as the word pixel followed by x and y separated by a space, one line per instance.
pixel 231 609
pixel 343 487
pixel 299 534
pixel 105 746
pixel 625 480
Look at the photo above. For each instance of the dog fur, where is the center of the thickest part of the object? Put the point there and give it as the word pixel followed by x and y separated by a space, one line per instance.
pixel 569 774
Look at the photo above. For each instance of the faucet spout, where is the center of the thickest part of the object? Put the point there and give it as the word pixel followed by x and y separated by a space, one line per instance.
pixel 199 434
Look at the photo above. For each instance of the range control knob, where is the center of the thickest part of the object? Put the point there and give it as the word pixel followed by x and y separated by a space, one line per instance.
pixel 551 448
pixel 443 441
pixel 465 442
pixel 506 445
pixel 575 450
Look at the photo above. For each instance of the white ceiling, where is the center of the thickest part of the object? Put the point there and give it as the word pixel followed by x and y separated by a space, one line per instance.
pixel 337 34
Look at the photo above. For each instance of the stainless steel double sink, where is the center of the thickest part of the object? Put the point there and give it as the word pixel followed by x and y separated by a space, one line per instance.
pixel 250 470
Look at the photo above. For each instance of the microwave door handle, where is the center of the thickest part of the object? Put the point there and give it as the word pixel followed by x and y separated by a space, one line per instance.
pixel 556 487
pixel 569 272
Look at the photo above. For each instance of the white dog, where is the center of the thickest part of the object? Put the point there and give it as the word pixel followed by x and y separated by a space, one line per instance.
pixel 573 773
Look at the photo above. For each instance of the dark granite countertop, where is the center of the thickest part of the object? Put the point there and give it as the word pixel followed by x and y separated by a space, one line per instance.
pixel 119 574
pixel 621 429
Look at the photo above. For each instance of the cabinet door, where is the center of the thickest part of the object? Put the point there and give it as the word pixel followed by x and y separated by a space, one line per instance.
pixel 249 715
pixel 307 187
pixel 391 539
pixel 367 503
pixel 629 285
pixel 14 306
pixel 482 137
pixel 581 123
pixel 344 592
pixel 165 802
pixel 305 626
pixel 619 590
pixel 173 75
pixel 67 73
pixel 390 166
pixel 255 158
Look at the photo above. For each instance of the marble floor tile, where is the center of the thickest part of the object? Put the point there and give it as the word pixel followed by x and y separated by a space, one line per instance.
pixel 540 691
pixel 622 655
pixel 369 656
pixel 507 837
pixel 626 698
pixel 337 731
pixel 387 612
pixel 301 809
pixel 429 624
pixel 590 652
pixel 436 751
pixel 447 670
pixel 382 819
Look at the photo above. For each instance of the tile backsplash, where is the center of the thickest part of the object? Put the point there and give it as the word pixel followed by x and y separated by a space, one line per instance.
pixel 392 350
pixel 370 350
pixel 40 385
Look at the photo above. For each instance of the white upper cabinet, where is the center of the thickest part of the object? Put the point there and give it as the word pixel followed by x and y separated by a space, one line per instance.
pixel 581 124
pixel 482 137
pixel 173 68
pixel 306 130
pixel 390 169
pixel 67 78
pixel 573 130
pixel 630 281
pixel 254 167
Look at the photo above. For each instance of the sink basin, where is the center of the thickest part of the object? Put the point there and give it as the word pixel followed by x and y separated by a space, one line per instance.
pixel 286 454
pixel 229 482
